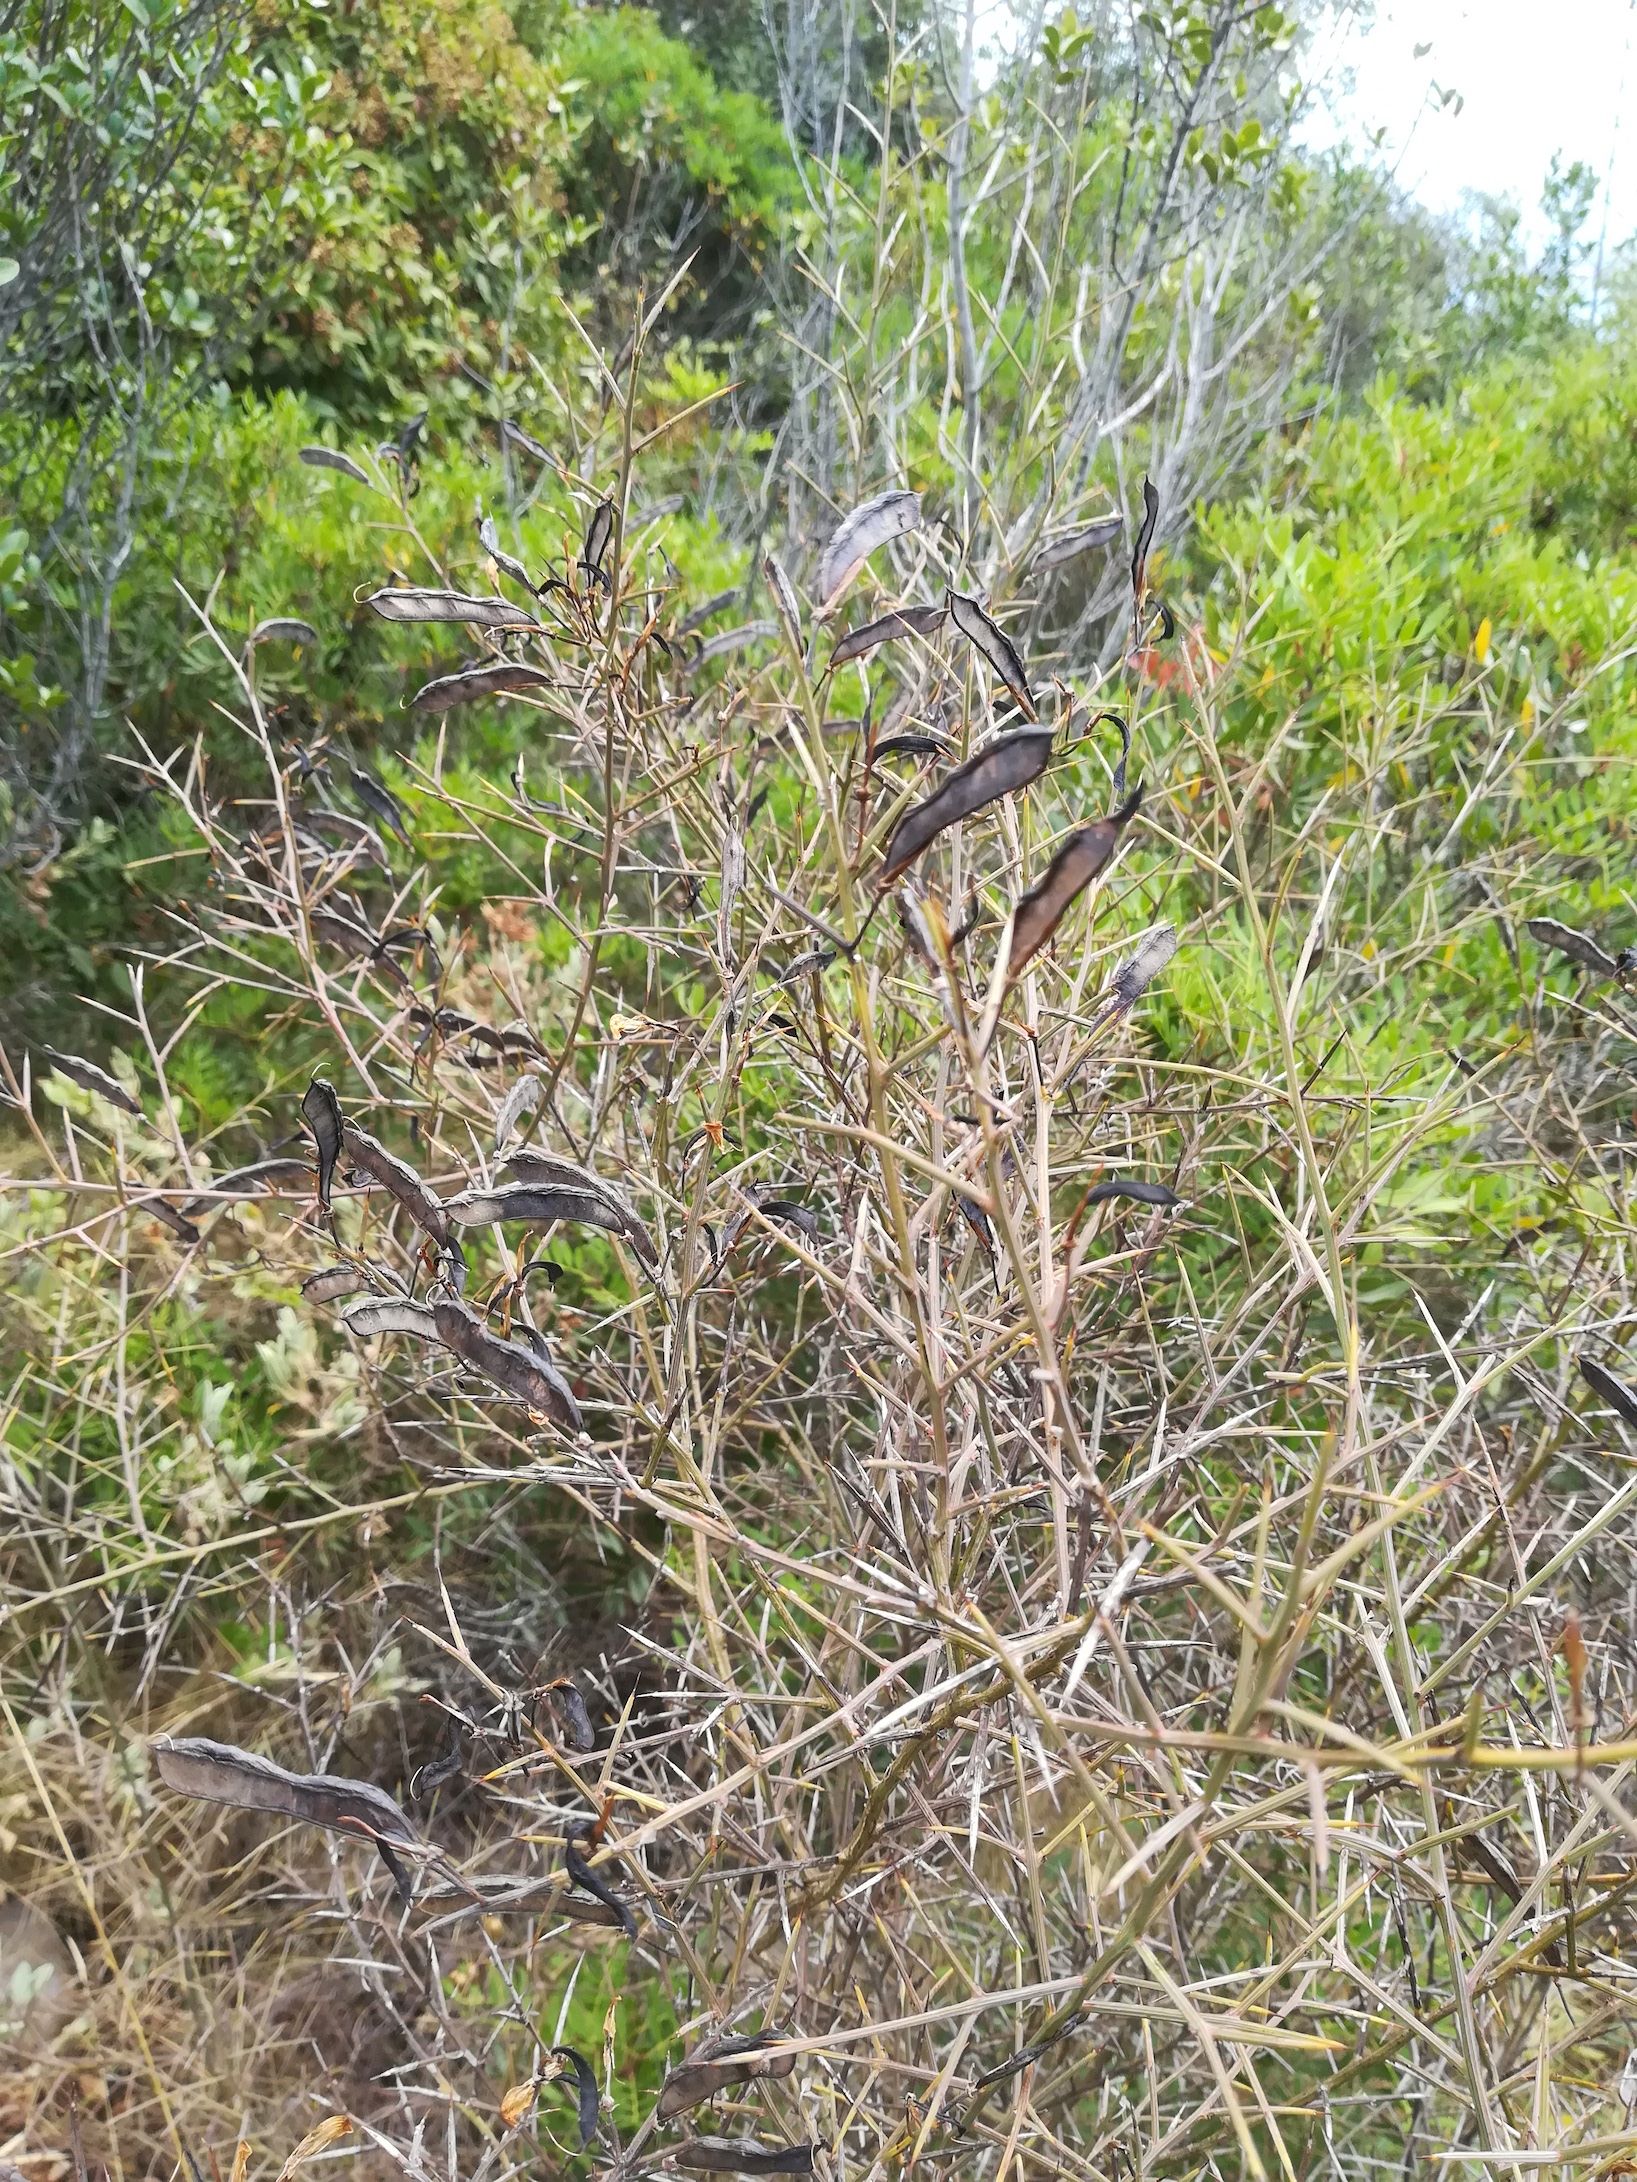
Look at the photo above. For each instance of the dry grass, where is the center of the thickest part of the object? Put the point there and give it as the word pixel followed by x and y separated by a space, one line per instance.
pixel 1098 1690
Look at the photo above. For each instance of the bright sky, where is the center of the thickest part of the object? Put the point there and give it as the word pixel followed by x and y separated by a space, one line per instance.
pixel 1534 77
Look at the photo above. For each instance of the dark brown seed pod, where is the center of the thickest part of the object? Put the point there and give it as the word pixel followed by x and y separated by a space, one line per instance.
pixel 568 1704
pixel 408 603
pixel 326 458
pixel 211 1772
pixel 742 2155
pixel 282 629
pixel 1082 856
pixel 321 1111
pixel 1578 946
pixel 91 1078
pixel 581 1875
pixel 585 2085
pixel 390 1314
pixel 546 1170
pixel 332 1284
pixel 1619 1397
pixel 871 525
pixel 525 1374
pixel 523 1098
pixel 374 797
pixel 910 746
pixel 785 1209
pixel 719 2064
pixel 708 612
pixel 400 1178
pixel 989 638
pixel 599 535
pixel 734 640
pixel 506 677
pixel 905 621
pixel 489 539
pixel 1068 545
pixel 1001 768
pixel 1123 1185
pixel 1145 538
pixel 446 1767
pixel 168 1216
pixel 515 436
pixel 245 1182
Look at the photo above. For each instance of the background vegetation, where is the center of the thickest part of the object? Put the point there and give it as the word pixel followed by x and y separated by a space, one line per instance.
pixel 1129 1687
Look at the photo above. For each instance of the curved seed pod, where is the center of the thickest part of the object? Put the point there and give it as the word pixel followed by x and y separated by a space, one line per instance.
pixel 91 1078
pixel 1079 860
pixel 212 1772
pixel 326 458
pixel 734 640
pixel 719 2063
pixel 321 1111
pixel 599 536
pixel 742 2155
pixel 545 1202
pixel 282 629
pixel 585 2085
pixel 527 1377
pixel 523 1098
pixel 406 603
pixel 910 746
pixel 987 636
pixel 568 1704
pixel 808 965
pixel 167 1216
pixel 1001 768
pixel 396 1175
pixel 507 677
pixel 1578 946
pixel 489 539
pixel 243 1182
pixel 353 832
pixel 546 1170
pixel 1070 544
pixel 784 598
pixel 332 1283
pixel 582 1875
pixel 711 608
pixel 374 797
pixel 515 436
pixel 1145 538
pixel 785 1209
pixel 1618 1396
pixel 1153 951
pixel 1122 1185
pixel 443 1768
pixel 871 525
pixel 905 621
pixel 390 1314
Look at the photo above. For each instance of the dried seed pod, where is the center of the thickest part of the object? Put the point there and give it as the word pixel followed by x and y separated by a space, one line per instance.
pixel 445 1767
pixel 599 536
pixel 321 1111
pixel 986 636
pixel 1145 538
pixel 719 2064
pixel 784 598
pixel 523 1098
pixel 489 539
pixel 245 1182
pixel 1124 1185
pixel 544 1202
pixel 1082 856
pixel 515 436
pixel 742 2155
pixel 771 1208
pixel 1578 946
pixel 326 458
pixel 1139 969
pixel 1619 1396
pixel 871 525
pixel 734 640
pixel 1068 545
pixel 168 1216
pixel 369 792
pixel 567 1702
pixel 585 2085
pixel 904 621
pixel 212 1772
pixel 282 629
pixel 910 746
pixel 733 879
pixel 400 1178
pixel 525 1374
pixel 409 603
pixel 91 1078
pixel 332 1284
pixel 807 965
pixel 1001 768
pixel 545 1169
pixel 390 1314
pixel 505 677
pixel 581 1875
